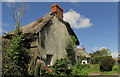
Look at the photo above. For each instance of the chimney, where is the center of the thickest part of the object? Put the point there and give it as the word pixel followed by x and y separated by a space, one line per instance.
pixel 83 47
pixel 57 10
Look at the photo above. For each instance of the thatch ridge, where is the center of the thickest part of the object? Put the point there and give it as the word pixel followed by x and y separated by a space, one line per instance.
pixel 34 27
pixel 31 28
pixel 83 53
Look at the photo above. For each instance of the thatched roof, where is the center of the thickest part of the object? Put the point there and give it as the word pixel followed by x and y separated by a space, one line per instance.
pixel 83 53
pixel 36 26
pixel 32 28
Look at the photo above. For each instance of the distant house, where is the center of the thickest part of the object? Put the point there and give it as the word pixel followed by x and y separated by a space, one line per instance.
pixel 84 62
pixel 83 53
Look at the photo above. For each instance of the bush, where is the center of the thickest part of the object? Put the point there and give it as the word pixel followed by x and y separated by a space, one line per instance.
pixel 43 71
pixel 78 70
pixel 97 59
pixel 60 67
pixel 16 56
pixel 115 67
pixel 107 64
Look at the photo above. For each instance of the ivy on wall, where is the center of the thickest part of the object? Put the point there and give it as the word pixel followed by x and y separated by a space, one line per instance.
pixel 70 47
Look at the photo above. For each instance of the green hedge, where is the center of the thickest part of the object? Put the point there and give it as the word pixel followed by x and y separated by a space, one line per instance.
pixel 97 59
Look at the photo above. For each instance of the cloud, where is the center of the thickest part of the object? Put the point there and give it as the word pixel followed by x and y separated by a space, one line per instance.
pixel 98 48
pixel 114 54
pixel 77 20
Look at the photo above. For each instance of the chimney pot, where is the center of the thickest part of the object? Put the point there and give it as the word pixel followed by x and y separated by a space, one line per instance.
pixel 57 10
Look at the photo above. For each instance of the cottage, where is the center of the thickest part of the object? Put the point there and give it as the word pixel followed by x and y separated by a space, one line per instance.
pixel 82 52
pixel 51 34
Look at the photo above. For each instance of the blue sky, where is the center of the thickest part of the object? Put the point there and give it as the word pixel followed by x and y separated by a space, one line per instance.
pixel 101 21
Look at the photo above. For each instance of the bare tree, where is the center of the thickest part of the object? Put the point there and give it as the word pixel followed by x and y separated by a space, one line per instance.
pixel 19 11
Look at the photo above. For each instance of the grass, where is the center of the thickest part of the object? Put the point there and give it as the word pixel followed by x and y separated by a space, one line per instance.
pixel 95 68
pixel 109 72
pixel 115 70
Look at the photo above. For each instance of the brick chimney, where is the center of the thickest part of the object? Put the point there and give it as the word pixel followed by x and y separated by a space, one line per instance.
pixel 57 10
pixel 83 47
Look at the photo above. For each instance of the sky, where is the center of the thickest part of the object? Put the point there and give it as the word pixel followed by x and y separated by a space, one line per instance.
pixel 95 23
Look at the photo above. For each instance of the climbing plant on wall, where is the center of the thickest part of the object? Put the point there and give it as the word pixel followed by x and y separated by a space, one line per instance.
pixel 70 47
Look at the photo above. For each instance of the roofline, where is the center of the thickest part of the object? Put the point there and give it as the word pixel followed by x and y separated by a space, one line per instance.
pixel 71 33
pixel 57 6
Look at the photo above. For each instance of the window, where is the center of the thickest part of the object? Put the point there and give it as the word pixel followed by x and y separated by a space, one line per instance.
pixel 48 59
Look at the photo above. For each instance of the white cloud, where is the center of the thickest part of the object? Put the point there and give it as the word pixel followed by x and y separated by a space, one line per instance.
pixel 77 20
pixel 114 54
pixel 98 48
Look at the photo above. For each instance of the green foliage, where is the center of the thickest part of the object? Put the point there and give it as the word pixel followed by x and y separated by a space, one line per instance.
pixel 103 52
pixel 43 71
pixel 18 53
pixel 97 59
pixel 93 68
pixel 17 57
pixel 70 47
pixel 80 58
pixel 78 70
pixel 115 67
pixel 60 67
pixel 107 64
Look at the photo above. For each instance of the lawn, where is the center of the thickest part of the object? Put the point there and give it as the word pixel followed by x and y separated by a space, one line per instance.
pixel 94 68
pixel 113 72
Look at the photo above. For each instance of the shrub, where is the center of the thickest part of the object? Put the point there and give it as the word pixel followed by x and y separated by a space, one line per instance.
pixel 16 57
pixel 60 67
pixel 78 70
pixel 107 64
pixel 43 71
pixel 97 59
pixel 115 67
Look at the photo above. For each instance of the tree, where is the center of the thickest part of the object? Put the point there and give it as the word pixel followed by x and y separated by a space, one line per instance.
pixel 107 64
pixel 103 52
